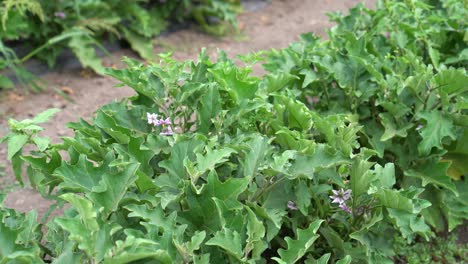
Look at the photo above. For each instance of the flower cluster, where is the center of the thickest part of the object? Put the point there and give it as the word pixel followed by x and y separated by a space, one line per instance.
pixel 340 197
pixel 292 206
pixel 60 15
pixel 164 123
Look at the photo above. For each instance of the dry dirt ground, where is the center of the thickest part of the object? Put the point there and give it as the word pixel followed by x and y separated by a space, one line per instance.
pixel 272 25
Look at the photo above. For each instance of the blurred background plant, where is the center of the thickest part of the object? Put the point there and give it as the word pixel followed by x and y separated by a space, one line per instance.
pixel 44 29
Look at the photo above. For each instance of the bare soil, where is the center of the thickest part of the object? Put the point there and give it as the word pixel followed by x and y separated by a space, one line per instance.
pixel 272 25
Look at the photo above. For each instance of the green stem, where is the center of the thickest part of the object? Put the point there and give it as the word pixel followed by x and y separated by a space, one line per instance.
pixel 265 190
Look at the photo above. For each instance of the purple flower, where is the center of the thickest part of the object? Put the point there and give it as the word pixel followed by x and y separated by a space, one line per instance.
pixel 345 208
pixel 166 121
pixel 291 205
pixel 341 196
pixel 152 118
pixel 60 15
pixel 167 131
pixel 419 127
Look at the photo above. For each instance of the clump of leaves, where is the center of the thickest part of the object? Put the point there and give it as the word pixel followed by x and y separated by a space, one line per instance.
pixel 404 84
pixel 49 27
pixel 439 250
pixel 246 176
pixel 310 163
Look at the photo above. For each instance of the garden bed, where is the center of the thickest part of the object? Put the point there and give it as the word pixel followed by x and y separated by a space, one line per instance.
pixel 313 158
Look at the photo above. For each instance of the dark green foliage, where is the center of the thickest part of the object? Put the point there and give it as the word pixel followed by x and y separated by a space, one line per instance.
pixel 401 72
pixel 49 27
pixel 439 250
pixel 247 176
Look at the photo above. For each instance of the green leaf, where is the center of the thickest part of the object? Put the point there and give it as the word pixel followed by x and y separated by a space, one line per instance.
pixel 41 142
pixel 391 129
pixel 455 209
pixel 323 156
pixel 400 200
pixel 81 177
pixel 452 81
pixel 433 172
pixel 255 233
pixel 322 260
pixel 200 202
pixel 297 248
pixel 409 224
pixel 437 128
pixel 208 161
pixel 113 187
pixel 210 106
pixel 180 151
pixel 309 77
pixel 361 177
pixel 103 185
pixel 345 260
pixel 6 83
pixel 385 175
pixel 141 44
pixel 19 237
pixel 202 259
pixel 228 240
pixel 196 241
pixel 133 249
pixel 277 81
pixel 85 209
pixel 303 197
pixel 298 115
pixel 458 165
pixel 273 218
pixel 393 199
pixel 153 216
pixel 235 81
pixel 44 116
pixel 15 143
pixel 160 227
pixel 258 149
pixel 83 47
pixel 334 240
pixel 94 243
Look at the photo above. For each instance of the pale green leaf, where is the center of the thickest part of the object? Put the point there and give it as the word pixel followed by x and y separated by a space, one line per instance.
pixel 361 177
pixel 385 175
pixel 437 127
pixel 255 233
pixel 85 209
pixel 15 143
pixel 297 248
pixel 134 249
pixel 44 116
pixel 401 200
pixel 41 142
pixel 345 260
pixel 258 149
pixel 228 240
